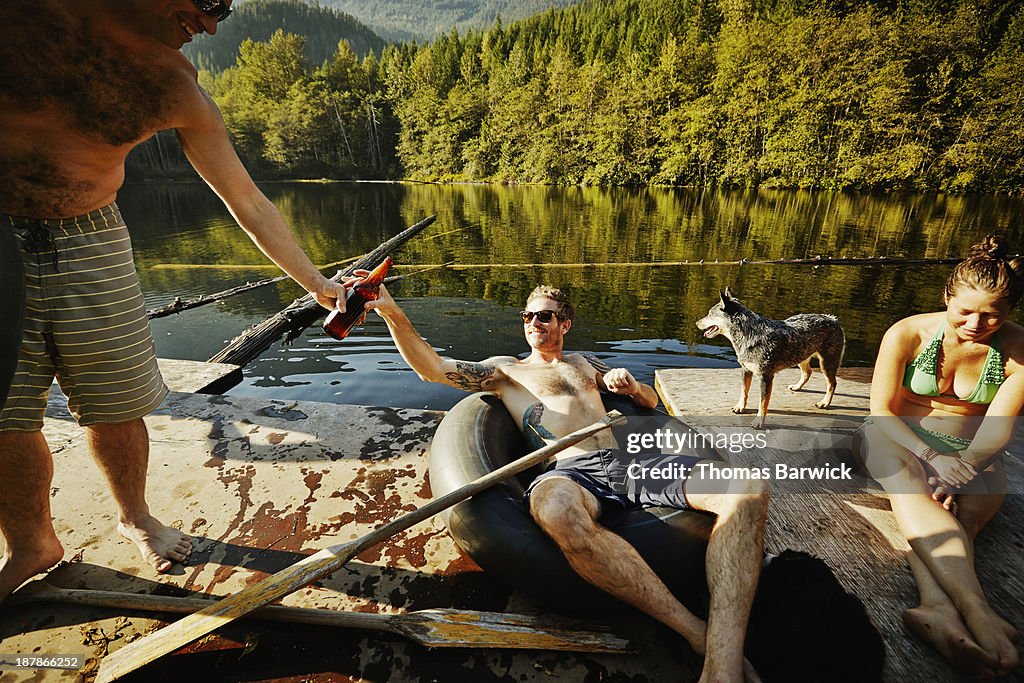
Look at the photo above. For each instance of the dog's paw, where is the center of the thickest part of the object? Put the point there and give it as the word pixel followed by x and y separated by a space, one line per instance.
pixel 739 408
pixel 758 422
pixel 822 404
pixel 795 387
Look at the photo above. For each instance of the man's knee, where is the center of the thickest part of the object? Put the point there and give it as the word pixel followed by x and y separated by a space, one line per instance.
pixel 750 494
pixel 560 508
pixel 747 496
pixel 22 440
pixel 128 432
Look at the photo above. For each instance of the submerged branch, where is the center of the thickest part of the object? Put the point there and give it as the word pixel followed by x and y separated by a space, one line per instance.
pixel 305 310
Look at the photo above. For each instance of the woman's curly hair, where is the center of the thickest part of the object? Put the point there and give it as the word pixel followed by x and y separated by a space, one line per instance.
pixel 987 268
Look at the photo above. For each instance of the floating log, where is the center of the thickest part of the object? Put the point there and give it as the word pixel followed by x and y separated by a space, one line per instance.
pixel 305 310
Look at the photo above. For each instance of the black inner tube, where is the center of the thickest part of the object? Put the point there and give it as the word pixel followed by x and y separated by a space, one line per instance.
pixel 495 528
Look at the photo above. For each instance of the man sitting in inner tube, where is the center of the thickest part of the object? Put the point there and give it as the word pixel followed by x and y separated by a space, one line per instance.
pixel 557 393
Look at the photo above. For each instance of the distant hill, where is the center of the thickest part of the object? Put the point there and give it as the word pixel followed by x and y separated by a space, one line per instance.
pixel 422 20
pixel 321 26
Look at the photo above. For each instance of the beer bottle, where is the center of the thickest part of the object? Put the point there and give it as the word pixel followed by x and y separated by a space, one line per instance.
pixel 339 324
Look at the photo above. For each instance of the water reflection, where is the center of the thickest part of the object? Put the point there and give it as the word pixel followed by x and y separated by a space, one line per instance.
pixel 638 316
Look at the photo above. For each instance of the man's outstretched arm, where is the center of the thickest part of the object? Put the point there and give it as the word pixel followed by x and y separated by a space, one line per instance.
pixel 207 146
pixel 421 357
pixel 621 381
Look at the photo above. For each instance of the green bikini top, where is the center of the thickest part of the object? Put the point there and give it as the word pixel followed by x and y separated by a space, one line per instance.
pixel 920 376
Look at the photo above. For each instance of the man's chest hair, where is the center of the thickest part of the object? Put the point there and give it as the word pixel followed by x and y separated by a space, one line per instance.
pixel 54 68
pixel 564 379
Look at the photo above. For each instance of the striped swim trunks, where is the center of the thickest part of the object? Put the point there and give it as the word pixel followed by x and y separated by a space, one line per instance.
pixel 85 323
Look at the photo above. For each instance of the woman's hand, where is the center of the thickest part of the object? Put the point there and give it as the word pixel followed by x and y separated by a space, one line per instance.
pixel 951 470
pixel 941 494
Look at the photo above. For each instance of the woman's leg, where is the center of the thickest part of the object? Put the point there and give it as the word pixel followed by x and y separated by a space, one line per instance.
pixel 942 559
pixel 937 621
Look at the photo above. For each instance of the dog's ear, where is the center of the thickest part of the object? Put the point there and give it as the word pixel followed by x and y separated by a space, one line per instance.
pixel 729 303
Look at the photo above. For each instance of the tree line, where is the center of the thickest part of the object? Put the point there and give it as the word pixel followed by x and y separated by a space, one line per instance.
pixel 257 20
pixel 421 20
pixel 912 94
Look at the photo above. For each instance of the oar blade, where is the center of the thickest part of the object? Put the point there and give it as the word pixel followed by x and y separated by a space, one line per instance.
pixel 181 633
pixel 462 628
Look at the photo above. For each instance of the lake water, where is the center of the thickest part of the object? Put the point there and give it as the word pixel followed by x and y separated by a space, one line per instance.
pixel 602 246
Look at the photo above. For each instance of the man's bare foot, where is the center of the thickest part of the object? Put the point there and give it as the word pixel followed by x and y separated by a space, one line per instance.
pixel 990 632
pixel 945 631
pixel 160 545
pixel 18 567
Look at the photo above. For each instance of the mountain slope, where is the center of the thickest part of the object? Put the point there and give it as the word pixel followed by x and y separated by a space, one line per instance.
pixel 422 20
pixel 322 27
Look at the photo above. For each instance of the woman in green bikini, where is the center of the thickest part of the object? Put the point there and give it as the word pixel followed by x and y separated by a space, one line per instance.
pixel 946 390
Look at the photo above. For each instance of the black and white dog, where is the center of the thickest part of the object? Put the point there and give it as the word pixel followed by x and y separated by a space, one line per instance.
pixel 764 347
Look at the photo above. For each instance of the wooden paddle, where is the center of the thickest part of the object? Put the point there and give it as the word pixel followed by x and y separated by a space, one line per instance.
pixel 318 565
pixel 432 627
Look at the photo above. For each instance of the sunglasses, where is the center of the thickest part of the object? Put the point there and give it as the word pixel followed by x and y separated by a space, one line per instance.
pixel 214 8
pixel 543 316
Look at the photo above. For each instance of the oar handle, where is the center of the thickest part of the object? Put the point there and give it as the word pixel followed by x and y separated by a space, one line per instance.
pixel 42 591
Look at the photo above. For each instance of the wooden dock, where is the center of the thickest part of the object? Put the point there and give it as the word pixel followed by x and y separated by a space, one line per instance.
pixel 259 483
pixel 854 530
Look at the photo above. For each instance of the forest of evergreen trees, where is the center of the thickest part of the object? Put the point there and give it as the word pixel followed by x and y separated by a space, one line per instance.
pixel 322 27
pixel 912 94
pixel 421 20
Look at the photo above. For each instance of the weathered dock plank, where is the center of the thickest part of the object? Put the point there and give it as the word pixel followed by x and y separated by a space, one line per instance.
pixel 199 377
pixel 851 527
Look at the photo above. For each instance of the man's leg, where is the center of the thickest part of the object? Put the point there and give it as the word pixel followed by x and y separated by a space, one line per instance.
pixel 121 450
pixel 567 512
pixel 733 565
pixel 31 546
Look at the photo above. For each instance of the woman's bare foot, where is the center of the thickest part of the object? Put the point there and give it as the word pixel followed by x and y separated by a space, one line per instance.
pixel 19 566
pixel 990 632
pixel 160 544
pixel 944 630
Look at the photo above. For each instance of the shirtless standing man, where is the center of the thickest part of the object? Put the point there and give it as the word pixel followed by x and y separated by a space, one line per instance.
pixel 557 393
pixel 82 83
